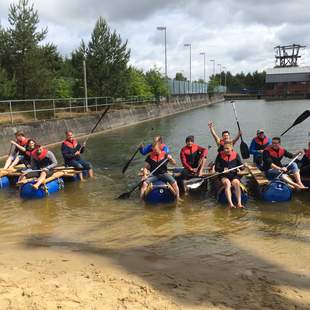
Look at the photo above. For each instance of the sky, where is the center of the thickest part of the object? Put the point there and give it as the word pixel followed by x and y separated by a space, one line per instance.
pixel 238 34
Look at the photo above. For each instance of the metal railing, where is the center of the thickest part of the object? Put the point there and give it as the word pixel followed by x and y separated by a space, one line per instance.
pixel 19 111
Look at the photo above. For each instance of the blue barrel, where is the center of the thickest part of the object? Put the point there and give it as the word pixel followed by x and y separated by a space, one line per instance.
pixel 28 192
pixel 4 182
pixel 221 197
pixel 276 191
pixel 160 193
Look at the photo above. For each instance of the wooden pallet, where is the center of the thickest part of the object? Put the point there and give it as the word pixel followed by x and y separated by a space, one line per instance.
pixel 257 175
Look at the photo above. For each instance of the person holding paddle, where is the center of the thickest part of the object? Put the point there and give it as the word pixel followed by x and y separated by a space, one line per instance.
pixel 305 162
pixel 272 157
pixel 144 150
pixel 258 144
pixel 226 160
pixel 225 137
pixel 158 158
pixel 71 151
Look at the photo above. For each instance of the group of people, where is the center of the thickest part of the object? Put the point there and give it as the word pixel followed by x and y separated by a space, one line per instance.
pixel 267 154
pixel 40 162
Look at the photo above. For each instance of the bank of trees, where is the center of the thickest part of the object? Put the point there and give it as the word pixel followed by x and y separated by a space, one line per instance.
pixel 30 68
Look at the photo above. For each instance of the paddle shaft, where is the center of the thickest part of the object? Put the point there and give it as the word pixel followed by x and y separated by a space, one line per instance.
pixel 130 160
pixel 292 161
pixel 236 117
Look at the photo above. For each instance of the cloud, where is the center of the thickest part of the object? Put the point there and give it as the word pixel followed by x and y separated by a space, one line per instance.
pixel 239 34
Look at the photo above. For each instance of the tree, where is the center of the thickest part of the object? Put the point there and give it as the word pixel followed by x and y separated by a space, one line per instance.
pixel 180 77
pixel 157 83
pixel 107 60
pixel 7 87
pixel 138 84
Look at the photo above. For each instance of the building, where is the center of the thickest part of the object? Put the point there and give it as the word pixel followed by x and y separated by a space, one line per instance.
pixel 287 79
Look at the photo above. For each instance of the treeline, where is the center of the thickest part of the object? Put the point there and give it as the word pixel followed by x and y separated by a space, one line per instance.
pixel 31 69
pixel 240 82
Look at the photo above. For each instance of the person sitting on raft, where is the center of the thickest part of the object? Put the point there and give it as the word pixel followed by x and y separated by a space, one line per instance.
pixel 42 163
pixel 157 157
pixel 193 158
pixel 305 162
pixel 258 144
pixel 19 154
pixel 225 137
pixel 272 157
pixel 144 150
pixel 228 159
pixel 71 151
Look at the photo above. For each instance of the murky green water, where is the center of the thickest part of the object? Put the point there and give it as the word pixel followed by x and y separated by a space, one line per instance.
pixel 89 213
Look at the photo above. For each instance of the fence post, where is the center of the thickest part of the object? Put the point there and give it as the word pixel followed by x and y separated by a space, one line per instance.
pixel 34 110
pixel 70 107
pixel 54 108
pixel 96 103
pixel 11 112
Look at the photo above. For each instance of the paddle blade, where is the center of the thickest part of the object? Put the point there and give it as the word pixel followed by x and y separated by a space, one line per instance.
pixel 195 185
pixel 244 150
pixel 298 120
pixel 126 167
pixel 124 195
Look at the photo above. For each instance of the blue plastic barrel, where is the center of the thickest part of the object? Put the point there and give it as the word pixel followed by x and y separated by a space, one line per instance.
pixel 28 192
pixel 4 182
pixel 160 194
pixel 276 191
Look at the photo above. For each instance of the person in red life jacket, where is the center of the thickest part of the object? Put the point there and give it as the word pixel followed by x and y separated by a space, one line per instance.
pixel 193 158
pixel 228 159
pixel 144 150
pixel 19 155
pixel 272 157
pixel 258 144
pixel 157 157
pixel 42 160
pixel 225 137
pixel 71 151
pixel 305 162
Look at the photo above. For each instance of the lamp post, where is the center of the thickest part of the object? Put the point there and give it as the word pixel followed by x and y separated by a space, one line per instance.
pixel 204 65
pixel 213 60
pixel 85 85
pixel 190 60
pixel 220 66
pixel 162 28
pixel 225 83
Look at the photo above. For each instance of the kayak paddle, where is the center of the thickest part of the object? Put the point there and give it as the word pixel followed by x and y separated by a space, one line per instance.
pixel 244 149
pixel 130 160
pixel 298 120
pixel 292 161
pixel 127 194
pixel 196 182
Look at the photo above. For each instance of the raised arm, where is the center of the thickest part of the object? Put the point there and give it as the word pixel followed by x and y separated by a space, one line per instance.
pixel 237 137
pixel 216 138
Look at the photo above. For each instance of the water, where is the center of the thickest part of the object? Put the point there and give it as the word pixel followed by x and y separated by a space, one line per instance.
pixel 88 214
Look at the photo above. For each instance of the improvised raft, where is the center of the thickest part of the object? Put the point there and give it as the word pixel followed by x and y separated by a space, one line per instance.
pixel 51 185
pixel 270 191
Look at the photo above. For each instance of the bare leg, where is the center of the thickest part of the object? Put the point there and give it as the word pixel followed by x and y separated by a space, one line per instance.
pixel 202 167
pixel 298 179
pixel 15 162
pixel 40 180
pixel 81 176
pixel 143 189
pixel 289 181
pixel 227 186
pixel 176 189
pixel 91 173
pixel 8 162
pixel 236 184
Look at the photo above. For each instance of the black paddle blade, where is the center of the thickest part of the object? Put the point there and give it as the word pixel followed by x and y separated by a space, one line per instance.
pixel 124 195
pixel 244 150
pixel 126 167
pixel 298 120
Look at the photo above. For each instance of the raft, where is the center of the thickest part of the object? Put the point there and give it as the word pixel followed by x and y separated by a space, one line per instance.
pixel 270 190
pixel 159 192
pixel 51 185
pixel 74 175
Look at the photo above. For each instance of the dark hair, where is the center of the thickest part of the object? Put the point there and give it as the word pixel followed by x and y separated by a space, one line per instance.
pixel 67 131
pixel 19 133
pixel 158 139
pixel 36 145
pixel 225 131
pixel 190 138
pixel 277 138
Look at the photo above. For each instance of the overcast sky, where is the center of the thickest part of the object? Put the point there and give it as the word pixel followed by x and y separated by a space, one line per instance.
pixel 239 34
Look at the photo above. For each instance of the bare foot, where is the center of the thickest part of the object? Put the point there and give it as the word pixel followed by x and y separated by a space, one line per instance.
pixel 35 186
pixel 240 206
pixel 231 207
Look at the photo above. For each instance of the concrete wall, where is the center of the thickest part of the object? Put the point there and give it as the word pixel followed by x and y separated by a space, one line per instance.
pixel 53 130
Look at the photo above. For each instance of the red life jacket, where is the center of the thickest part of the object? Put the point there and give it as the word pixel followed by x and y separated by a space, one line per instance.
pixel 307 153
pixel 71 145
pixel 157 157
pixel 275 154
pixel 222 142
pixel 232 156
pixel 263 142
pixel 39 157
pixel 22 143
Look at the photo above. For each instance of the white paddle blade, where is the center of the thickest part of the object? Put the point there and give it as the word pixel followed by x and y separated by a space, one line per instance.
pixel 194 185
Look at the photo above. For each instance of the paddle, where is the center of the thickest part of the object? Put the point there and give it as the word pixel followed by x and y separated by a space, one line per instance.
pixel 196 182
pixel 127 194
pixel 244 149
pixel 298 120
pixel 130 160
pixel 293 160
pixel 96 125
